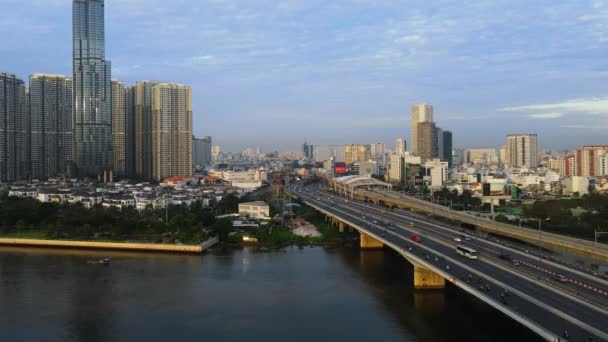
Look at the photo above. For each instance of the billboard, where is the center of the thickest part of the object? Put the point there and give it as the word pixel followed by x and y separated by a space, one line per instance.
pixel 340 169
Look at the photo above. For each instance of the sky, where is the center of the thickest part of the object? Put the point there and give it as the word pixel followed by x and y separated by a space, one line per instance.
pixel 276 73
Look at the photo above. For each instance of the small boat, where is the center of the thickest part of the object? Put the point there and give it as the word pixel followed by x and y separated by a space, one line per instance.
pixel 105 261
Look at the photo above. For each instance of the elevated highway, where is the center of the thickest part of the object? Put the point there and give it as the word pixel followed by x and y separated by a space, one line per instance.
pixel 380 195
pixel 533 292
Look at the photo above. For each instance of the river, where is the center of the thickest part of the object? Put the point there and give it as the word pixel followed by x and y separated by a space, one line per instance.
pixel 308 294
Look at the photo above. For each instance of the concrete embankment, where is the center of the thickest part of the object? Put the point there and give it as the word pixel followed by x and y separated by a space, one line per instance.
pixel 139 247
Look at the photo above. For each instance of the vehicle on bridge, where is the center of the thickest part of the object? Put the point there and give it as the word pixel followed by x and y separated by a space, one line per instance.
pixel 415 238
pixel 466 252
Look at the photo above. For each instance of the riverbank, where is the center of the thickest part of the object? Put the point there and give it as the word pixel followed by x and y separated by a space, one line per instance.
pixel 119 246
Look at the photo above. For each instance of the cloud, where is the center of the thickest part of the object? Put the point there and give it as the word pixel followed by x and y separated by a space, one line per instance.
pixel 595 127
pixel 546 116
pixel 589 106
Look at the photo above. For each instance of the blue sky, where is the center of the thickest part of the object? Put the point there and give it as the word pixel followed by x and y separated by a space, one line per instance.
pixel 275 73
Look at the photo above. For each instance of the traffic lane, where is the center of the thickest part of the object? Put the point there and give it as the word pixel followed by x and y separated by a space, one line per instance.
pixel 550 321
pixel 559 302
pixel 414 201
pixel 547 319
pixel 588 286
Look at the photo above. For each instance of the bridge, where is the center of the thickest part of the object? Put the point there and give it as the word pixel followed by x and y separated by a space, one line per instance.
pixel 550 297
pixel 375 192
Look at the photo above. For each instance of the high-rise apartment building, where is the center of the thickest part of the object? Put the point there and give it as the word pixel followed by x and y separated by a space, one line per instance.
pixel 522 150
pixel 588 160
pixel 377 150
pixel 119 128
pixel 427 141
pixel 480 156
pixel 447 147
pixel 420 113
pixel 50 127
pixel 356 153
pixel 400 146
pixel 92 90
pixel 566 165
pixel 139 110
pixel 14 164
pixel 171 130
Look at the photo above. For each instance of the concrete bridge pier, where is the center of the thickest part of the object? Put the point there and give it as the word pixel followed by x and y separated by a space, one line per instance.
pixel 425 279
pixel 368 241
pixel 341 227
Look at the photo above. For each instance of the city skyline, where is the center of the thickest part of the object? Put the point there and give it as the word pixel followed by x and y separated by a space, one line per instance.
pixel 312 76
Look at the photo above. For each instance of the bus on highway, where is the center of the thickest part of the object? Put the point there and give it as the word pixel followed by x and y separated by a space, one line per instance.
pixel 466 251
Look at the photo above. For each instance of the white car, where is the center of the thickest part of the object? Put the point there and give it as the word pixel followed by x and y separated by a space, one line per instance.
pixel 457 239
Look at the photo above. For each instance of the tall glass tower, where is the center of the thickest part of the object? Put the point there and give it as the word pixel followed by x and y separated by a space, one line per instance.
pixel 92 90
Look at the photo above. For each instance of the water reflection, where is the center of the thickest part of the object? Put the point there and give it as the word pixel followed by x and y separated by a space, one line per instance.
pixel 298 295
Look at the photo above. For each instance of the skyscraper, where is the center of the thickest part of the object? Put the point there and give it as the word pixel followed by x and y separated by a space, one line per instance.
pixel 201 151
pixel 139 109
pixel 439 134
pixel 50 106
pixel 427 141
pixel 92 91
pixel 14 147
pixel 308 150
pixel 420 113
pixel 119 128
pixel 522 150
pixel 171 130
pixel 447 147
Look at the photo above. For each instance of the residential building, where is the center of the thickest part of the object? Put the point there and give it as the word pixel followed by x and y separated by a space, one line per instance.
pixel 322 153
pixel 522 150
pixel 92 90
pixel 480 156
pixel 603 165
pixel 171 130
pixel 356 153
pixel 14 164
pixel 400 146
pixel 566 165
pixel 367 168
pixel 119 127
pixel 377 150
pixel 588 160
pixel 140 110
pixel 397 169
pixel 50 127
pixel 427 141
pixel 420 113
